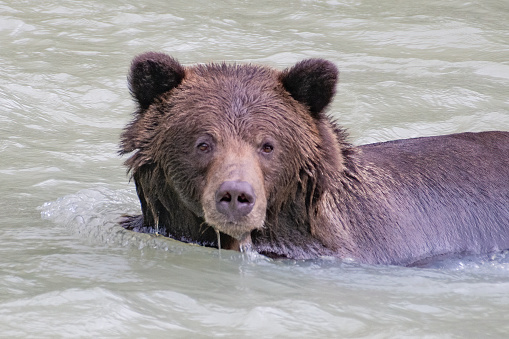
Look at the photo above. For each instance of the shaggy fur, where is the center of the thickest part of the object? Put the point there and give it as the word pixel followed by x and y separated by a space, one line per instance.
pixel 398 202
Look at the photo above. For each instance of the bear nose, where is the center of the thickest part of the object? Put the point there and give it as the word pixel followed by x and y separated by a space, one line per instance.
pixel 235 199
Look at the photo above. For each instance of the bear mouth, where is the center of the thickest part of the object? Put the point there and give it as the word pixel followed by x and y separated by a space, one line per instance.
pixel 235 229
pixel 242 244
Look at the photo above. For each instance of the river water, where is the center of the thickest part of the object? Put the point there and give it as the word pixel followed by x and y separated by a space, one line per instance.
pixel 67 270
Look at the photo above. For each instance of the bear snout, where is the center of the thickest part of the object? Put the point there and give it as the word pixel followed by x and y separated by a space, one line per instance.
pixel 235 199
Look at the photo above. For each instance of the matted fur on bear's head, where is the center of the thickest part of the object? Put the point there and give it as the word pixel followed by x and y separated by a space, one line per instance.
pixel 230 143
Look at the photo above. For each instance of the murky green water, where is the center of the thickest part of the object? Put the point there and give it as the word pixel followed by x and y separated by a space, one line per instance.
pixel 66 270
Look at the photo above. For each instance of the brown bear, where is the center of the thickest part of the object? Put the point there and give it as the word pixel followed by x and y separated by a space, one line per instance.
pixel 244 156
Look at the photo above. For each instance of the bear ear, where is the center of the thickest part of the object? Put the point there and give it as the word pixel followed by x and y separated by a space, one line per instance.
pixel 153 74
pixel 311 82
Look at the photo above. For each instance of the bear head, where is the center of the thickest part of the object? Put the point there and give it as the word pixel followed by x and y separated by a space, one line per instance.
pixel 231 144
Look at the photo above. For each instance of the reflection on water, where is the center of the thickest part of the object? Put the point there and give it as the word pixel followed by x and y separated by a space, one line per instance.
pixel 407 69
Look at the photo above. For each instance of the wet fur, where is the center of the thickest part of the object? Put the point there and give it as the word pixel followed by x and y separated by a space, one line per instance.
pixel 397 202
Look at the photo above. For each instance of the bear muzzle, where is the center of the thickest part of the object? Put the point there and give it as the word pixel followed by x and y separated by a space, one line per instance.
pixel 234 199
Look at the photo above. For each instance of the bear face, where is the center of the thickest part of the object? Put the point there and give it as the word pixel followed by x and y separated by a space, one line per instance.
pixel 231 142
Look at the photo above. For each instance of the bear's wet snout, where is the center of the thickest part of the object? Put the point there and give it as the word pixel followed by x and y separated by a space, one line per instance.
pixel 235 199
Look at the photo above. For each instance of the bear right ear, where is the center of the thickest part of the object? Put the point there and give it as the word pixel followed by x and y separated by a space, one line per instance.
pixel 153 74
pixel 311 82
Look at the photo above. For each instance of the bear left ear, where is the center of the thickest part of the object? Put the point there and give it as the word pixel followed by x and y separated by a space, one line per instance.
pixel 153 74
pixel 311 82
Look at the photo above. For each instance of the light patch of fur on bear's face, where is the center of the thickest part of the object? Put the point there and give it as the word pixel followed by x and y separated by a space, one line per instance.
pixel 235 162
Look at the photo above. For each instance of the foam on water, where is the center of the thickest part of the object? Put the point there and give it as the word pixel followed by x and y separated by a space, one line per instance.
pixel 96 213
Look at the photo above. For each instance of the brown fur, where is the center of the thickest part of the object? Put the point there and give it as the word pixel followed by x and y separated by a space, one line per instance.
pixel 397 202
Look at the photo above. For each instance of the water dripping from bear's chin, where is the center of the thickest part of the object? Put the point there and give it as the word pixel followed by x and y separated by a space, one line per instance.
pixel 245 243
pixel 218 234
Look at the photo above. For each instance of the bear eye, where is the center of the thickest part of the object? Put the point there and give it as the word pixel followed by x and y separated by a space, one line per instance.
pixel 267 148
pixel 203 147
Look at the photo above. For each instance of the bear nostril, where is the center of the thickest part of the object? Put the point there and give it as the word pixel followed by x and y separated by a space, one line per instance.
pixel 235 199
pixel 243 199
pixel 227 197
